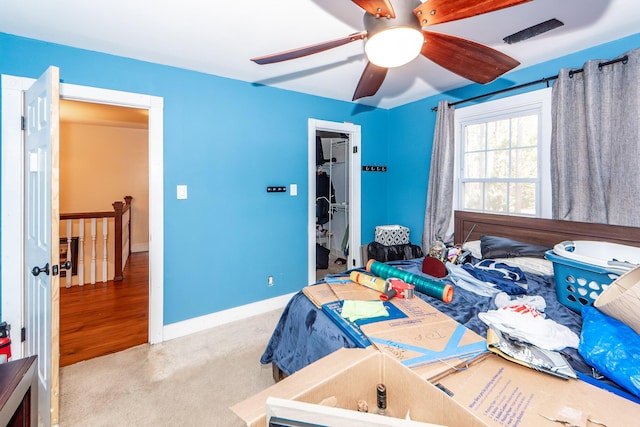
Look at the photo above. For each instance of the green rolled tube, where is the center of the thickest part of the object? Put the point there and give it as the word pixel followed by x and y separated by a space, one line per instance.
pixel 433 288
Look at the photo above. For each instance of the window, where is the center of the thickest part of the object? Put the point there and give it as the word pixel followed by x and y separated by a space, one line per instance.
pixel 502 155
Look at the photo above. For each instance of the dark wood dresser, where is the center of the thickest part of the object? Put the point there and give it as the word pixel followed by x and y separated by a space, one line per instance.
pixel 19 393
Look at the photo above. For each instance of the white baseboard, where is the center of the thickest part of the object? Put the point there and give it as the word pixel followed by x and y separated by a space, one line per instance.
pixel 198 324
pixel 140 247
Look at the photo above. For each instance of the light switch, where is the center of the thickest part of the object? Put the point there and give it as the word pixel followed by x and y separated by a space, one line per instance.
pixel 293 189
pixel 182 191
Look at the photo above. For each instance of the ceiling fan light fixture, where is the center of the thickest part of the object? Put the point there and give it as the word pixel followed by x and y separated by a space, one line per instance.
pixel 394 47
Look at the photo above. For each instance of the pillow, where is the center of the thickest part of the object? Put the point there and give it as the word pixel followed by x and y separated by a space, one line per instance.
pixel 537 266
pixel 473 247
pixel 502 247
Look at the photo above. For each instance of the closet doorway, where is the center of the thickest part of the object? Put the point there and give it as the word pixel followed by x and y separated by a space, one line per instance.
pixel 334 198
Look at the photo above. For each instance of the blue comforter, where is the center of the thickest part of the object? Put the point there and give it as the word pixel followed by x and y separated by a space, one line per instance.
pixel 305 333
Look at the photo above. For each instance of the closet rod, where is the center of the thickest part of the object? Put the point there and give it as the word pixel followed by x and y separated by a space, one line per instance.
pixel 546 80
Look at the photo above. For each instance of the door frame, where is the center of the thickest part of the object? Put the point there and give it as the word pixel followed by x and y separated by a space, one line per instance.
pixel 12 244
pixel 353 131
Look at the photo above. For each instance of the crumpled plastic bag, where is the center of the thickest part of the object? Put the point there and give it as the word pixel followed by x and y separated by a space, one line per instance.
pixel 611 347
pixel 524 322
pixel 536 301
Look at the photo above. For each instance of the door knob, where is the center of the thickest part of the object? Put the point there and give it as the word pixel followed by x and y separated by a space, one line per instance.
pixel 37 270
pixel 66 265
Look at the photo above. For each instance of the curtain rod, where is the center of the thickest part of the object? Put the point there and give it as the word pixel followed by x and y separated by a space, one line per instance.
pixel 546 80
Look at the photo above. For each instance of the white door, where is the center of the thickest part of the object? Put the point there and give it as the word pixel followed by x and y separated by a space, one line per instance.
pixel 41 237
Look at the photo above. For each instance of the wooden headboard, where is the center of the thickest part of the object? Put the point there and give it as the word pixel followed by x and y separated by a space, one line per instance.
pixel 547 232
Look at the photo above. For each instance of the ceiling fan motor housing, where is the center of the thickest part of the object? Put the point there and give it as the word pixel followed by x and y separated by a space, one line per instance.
pixel 404 18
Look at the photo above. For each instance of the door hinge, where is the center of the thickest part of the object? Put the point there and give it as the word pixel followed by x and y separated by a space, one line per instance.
pixel 355 149
pixel 23 123
pixel 23 334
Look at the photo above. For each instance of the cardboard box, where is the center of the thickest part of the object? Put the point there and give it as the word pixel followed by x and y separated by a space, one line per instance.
pixel 419 335
pixel 621 300
pixel 502 393
pixel 491 392
pixel 349 375
pixel 392 235
pixel 280 412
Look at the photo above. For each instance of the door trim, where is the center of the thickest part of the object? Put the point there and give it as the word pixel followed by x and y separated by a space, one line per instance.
pixel 12 246
pixel 354 191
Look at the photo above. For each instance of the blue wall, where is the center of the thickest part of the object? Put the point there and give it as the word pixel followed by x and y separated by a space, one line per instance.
pixel 227 140
pixel 411 138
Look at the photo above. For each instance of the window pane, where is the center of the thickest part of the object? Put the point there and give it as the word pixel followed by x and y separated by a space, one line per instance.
pixel 503 156
pixel 472 195
pixel 474 165
pixel 524 163
pixel 496 197
pixel 474 137
pixel 524 131
pixel 498 164
pixel 498 134
pixel 522 198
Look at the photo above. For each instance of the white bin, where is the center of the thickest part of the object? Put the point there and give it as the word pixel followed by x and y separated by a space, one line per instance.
pixel 612 256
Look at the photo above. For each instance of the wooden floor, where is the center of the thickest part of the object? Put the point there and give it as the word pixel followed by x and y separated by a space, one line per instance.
pixel 106 317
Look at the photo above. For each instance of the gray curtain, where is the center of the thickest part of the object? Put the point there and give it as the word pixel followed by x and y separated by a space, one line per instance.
pixel 595 146
pixel 440 187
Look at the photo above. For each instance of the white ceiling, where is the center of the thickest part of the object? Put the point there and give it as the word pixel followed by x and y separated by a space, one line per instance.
pixel 219 37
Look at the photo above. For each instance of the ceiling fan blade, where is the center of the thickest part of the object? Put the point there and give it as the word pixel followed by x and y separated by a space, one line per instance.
pixel 466 58
pixel 308 50
pixel 434 12
pixel 377 7
pixel 370 81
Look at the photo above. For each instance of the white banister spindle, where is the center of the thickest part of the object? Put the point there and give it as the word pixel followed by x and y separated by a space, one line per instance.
pixel 93 251
pixel 81 253
pixel 70 255
pixel 105 231
pixel 125 238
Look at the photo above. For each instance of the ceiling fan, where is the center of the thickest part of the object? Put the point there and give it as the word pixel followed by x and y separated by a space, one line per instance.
pixel 395 37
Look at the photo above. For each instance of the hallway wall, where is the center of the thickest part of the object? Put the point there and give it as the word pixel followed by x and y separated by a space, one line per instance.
pixel 100 164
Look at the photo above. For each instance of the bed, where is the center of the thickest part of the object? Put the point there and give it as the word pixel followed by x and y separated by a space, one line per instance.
pixel 304 333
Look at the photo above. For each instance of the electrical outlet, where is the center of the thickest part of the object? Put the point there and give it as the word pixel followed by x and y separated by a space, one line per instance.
pixel 181 191
pixel 270 281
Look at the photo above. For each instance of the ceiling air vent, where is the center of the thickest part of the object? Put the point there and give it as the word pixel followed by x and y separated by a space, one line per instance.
pixel 536 30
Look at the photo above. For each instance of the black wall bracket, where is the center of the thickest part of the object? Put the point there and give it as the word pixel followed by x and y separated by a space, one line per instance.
pixel 374 168
pixel 276 189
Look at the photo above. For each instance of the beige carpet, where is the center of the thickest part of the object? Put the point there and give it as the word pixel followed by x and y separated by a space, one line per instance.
pixel 186 381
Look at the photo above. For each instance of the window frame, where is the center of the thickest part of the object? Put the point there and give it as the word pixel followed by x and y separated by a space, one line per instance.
pixel 537 102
